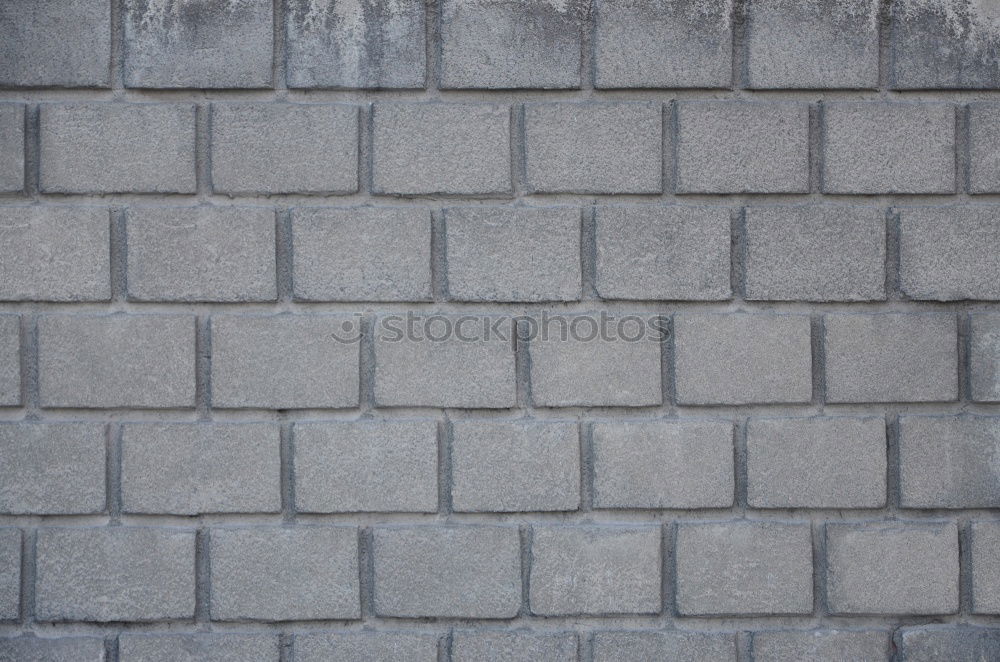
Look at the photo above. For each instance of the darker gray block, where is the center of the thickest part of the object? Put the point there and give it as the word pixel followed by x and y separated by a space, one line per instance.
pixel 10 360
pixel 200 647
pixel 985 541
pixel 677 646
pixel 931 643
pixel 984 357
pixel 29 648
pixel 384 646
pixel 518 646
pixel 818 645
pixel 11 146
pixel 984 147
pixel 10 578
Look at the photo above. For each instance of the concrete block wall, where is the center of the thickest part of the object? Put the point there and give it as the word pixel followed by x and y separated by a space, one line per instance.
pixel 275 277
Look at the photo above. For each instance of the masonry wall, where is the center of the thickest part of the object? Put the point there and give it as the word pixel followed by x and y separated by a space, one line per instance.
pixel 275 376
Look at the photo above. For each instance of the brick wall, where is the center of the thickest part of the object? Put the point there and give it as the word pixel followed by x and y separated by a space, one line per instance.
pixel 274 285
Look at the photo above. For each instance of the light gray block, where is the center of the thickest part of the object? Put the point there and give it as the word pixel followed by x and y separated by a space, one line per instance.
pixel 873 147
pixel 10 577
pixel 836 462
pixel 435 571
pixel 984 357
pixel 812 44
pixel 272 573
pixel 502 45
pixel 55 468
pixel 366 646
pixel 984 148
pixel 815 253
pixel 412 369
pixel 11 145
pixel 594 147
pixel 663 464
pixel 201 254
pixel 515 466
pixel 574 362
pixel 676 646
pixel 985 539
pixel 453 148
pixel 949 461
pixel 949 253
pixel 742 358
pixel 63 43
pixel 284 148
pixel 821 645
pixel 663 252
pixel 370 466
pixel 28 648
pixel 513 646
pixel 361 254
pixel 871 568
pixel 891 357
pixel 50 253
pixel 595 570
pixel 744 567
pixel 200 647
pixel 10 360
pixel 742 147
pixel 203 45
pixel 513 253
pixel 283 362
pixel 115 574
pixel 193 468
pixel 371 43
pixel 117 147
pixel 662 43
pixel 947 642
pixel 103 361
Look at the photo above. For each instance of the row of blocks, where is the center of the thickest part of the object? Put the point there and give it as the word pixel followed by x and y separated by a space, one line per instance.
pixel 500 254
pixel 313 572
pixel 314 361
pixel 474 466
pixel 632 147
pixel 483 44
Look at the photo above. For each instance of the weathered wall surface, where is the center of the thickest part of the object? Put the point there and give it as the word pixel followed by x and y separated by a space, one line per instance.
pixel 260 267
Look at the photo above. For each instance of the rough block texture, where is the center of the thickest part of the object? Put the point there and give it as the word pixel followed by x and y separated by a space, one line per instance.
pixel 10 575
pixel 984 148
pixel 639 646
pixel 29 648
pixel 11 147
pixel 984 357
pixel 385 646
pixel 471 646
pixel 781 646
pixel 936 642
pixel 985 538
pixel 10 367
pixel 201 647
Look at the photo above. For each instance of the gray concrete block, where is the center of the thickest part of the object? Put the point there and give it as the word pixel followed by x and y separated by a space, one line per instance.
pixel 891 357
pixel 949 461
pixel 502 45
pixel 515 466
pixel 117 148
pixel 595 570
pixel 10 360
pixel 676 646
pixel 460 571
pixel 316 146
pixel 115 574
pixel 871 568
pixel 200 647
pixel 575 363
pixel 815 253
pixel 283 362
pixel 383 646
pixel 818 44
pixel 10 577
pixel 984 357
pixel 594 147
pixel 271 573
pixel 821 645
pixel 661 43
pixel 55 468
pixel 62 43
pixel 204 45
pixel 663 464
pixel 361 254
pixel 193 468
pixel 984 148
pixel 742 358
pixel 663 252
pixel 937 44
pixel 372 43
pixel 744 567
pixel 413 369
pixel 50 253
pixel 931 643
pixel 369 466
pixel 985 539
pixel 11 147
pixel 513 646
pixel 742 147
pixel 836 462
pixel 101 361
pixel 949 253
pixel 873 147
pixel 201 254
pixel 28 648
pixel 454 148
pixel 513 253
